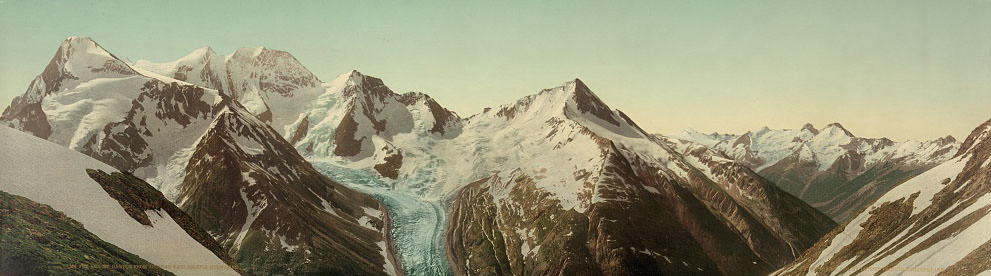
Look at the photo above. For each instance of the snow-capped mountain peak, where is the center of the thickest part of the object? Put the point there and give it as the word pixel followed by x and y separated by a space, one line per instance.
pixel 358 85
pixel 587 102
pixel 837 129
pixel 572 101
pixel 79 57
pixel 73 46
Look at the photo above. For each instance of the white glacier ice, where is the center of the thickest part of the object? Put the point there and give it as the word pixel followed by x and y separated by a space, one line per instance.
pixel 418 224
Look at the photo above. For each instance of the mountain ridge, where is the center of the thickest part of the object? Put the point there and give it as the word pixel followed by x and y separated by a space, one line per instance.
pixel 829 168
pixel 234 141
pixel 934 222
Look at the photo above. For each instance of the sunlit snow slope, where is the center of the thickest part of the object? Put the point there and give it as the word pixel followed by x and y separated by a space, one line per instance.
pixel 54 175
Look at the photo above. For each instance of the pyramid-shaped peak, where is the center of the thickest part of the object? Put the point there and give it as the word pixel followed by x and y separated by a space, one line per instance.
pixel 838 127
pixel 74 45
pixel 80 56
pixel 355 82
pixel 583 96
pixel 587 102
pixel 578 84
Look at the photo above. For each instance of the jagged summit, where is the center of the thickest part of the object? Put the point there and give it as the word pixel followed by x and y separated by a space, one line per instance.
pixel 810 128
pixel 80 56
pixel 83 46
pixel 572 93
pixel 357 84
pixel 588 102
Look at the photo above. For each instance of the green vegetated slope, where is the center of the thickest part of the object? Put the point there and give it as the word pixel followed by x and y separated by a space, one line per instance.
pixel 38 240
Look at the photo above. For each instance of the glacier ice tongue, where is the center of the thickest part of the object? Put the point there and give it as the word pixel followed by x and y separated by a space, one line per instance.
pixel 418 224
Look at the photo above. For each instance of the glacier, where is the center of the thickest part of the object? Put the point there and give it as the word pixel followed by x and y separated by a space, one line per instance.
pixel 418 223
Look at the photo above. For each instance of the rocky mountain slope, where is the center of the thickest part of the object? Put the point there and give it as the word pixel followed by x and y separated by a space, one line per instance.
pixel 934 223
pixel 579 189
pixel 262 201
pixel 155 126
pixel 831 169
pixel 423 150
pixel 160 238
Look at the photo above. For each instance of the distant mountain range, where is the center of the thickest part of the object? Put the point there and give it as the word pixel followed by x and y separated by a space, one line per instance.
pixel 935 223
pixel 275 171
pixel 831 169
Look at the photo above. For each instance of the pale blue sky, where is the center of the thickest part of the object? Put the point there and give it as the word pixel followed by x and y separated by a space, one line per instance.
pixel 902 69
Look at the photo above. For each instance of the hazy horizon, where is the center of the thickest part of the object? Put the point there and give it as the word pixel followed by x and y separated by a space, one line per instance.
pixel 903 70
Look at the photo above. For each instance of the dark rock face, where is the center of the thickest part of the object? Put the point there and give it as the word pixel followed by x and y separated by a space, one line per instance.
pixel 27 117
pixel 136 197
pixel 588 102
pixel 344 138
pixel 38 240
pixel 301 130
pixel 390 164
pixel 263 202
